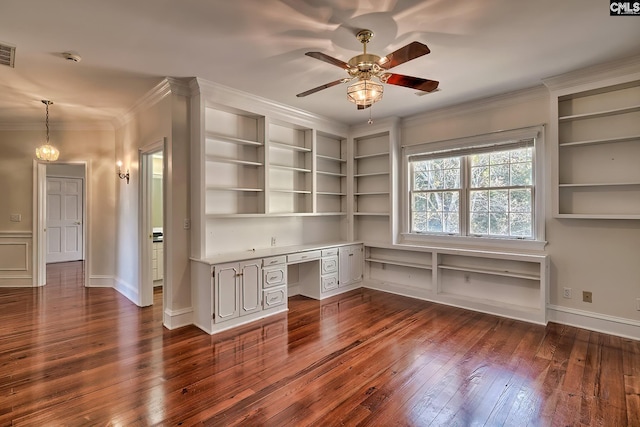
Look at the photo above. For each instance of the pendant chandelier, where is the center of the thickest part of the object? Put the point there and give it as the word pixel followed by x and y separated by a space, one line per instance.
pixel 47 151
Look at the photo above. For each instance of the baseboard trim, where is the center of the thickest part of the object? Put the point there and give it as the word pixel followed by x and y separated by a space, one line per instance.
pixel 16 281
pixel 96 281
pixel 126 289
pixel 174 319
pixel 613 325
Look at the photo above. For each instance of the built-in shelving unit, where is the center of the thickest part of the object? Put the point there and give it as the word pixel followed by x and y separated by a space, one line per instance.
pixel 290 168
pixel 372 178
pixel 506 284
pixel 598 150
pixel 331 174
pixel 234 169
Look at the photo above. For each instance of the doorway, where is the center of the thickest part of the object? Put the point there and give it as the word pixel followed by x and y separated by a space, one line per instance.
pixel 60 202
pixel 152 220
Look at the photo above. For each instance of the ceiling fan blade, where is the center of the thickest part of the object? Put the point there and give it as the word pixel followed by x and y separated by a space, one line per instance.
pixel 412 82
pixel 319 88
pixel 330 59
pixel 411 51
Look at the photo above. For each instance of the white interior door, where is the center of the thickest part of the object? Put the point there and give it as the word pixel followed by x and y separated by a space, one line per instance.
pixel 64 219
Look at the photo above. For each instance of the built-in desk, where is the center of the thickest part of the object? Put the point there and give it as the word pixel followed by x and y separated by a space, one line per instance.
pixel 232 289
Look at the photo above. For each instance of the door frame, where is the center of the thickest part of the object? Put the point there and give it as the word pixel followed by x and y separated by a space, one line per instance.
pixel 145 287
pixel 40 221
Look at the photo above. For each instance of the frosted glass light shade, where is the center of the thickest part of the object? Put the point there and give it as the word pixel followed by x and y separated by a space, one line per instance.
pixel 47 152
pixel 365 92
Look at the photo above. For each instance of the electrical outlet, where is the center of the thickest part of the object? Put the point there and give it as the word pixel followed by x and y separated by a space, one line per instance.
pixel 273 241
pixel 566 293
pixel 187 224
pixel 587 296
pixel 15 217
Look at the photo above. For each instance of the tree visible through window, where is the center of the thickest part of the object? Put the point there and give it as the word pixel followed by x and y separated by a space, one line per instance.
pixel 481 193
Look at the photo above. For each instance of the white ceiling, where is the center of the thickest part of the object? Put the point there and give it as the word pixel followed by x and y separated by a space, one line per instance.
pixel 478 48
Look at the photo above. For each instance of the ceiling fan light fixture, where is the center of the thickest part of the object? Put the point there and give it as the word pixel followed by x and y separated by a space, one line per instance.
pixel 46 151
pixel 365 92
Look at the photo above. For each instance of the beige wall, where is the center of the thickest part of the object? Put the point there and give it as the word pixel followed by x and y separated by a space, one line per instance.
pixel 168 119
pixel 600 256
pixel 96 148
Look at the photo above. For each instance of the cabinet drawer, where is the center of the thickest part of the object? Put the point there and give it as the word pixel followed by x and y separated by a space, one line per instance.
pixel 274 297
pixel 329 265
pixel 303 256
pixel 266 262
pixel 329 282
pixel 330 252
pixel 274 276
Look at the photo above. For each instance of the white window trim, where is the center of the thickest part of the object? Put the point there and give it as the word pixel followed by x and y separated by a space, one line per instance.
pixel 495 138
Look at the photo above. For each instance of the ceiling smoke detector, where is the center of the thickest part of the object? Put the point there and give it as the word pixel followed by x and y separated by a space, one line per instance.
pixel 71 56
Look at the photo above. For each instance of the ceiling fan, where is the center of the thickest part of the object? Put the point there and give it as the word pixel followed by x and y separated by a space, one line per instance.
pixel 365 91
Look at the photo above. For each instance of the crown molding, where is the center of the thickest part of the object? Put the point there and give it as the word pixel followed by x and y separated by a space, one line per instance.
pixel 215 94
pixel 594 73
pixel 59 126
pixel 499 101
pixel 166 87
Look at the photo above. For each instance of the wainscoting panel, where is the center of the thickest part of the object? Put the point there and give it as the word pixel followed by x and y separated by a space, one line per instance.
pixel 16 268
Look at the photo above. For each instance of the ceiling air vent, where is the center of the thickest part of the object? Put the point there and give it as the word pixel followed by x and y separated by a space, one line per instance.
pixel 7 55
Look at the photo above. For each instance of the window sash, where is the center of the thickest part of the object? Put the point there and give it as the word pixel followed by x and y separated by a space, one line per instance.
pixel 465 189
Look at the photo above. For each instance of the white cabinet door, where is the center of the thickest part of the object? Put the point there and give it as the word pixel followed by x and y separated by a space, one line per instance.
pixel 227 292
pixel 250 286
pixel 350 264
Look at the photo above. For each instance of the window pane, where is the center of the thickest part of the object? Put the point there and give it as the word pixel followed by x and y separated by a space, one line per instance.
pixel 499 157
pixel 480 177
pixel 479 159
pixel 436 174
pixel 434 222
pixel 520 200
pixel 419 202
pixel 479 201
pixel 521 225
pixel 521 173
pixel 479 223
pixel 418 222
pixel 522 155
pixel 499 175
pixel 498 200
pixel 451 178
pixel 451 223
pixel 421 180
pixel 499 224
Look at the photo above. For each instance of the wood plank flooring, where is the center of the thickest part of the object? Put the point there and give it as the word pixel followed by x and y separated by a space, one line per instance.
pixel 76 356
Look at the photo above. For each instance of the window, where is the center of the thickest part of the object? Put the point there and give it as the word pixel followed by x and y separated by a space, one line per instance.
pixel 482 187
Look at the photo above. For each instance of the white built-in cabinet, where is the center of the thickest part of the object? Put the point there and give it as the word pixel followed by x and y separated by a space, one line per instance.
pixel 350 265
pixel 598 151
pixel 238 289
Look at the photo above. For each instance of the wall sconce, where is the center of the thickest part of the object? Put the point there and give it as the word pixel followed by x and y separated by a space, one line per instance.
pixel 119 172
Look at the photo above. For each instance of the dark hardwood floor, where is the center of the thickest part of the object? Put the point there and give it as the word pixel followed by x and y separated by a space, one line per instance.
pixel 76 356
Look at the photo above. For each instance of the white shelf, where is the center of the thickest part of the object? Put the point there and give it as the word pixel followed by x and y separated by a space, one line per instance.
pixel 372 193
pixel 600 184
pixel 330 173
pixel 252 190
pixel 596 114
pixel 330 193
pixel 516 308
pixel 273 214
pixel 600 141
pixel 284 146
pixel 333 159
pixel 598 216
pixel 506 273
pixel 277 190
pixel 211 158
pixel 400 263
pixel 371 213
pixel 223 138
pixel 369 156
pixel 363 175
pixel 290 168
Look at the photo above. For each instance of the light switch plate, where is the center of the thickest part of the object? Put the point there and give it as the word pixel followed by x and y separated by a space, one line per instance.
pixel 15 218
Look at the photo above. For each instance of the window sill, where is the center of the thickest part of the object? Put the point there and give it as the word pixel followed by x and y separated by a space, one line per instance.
pixel 475 243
